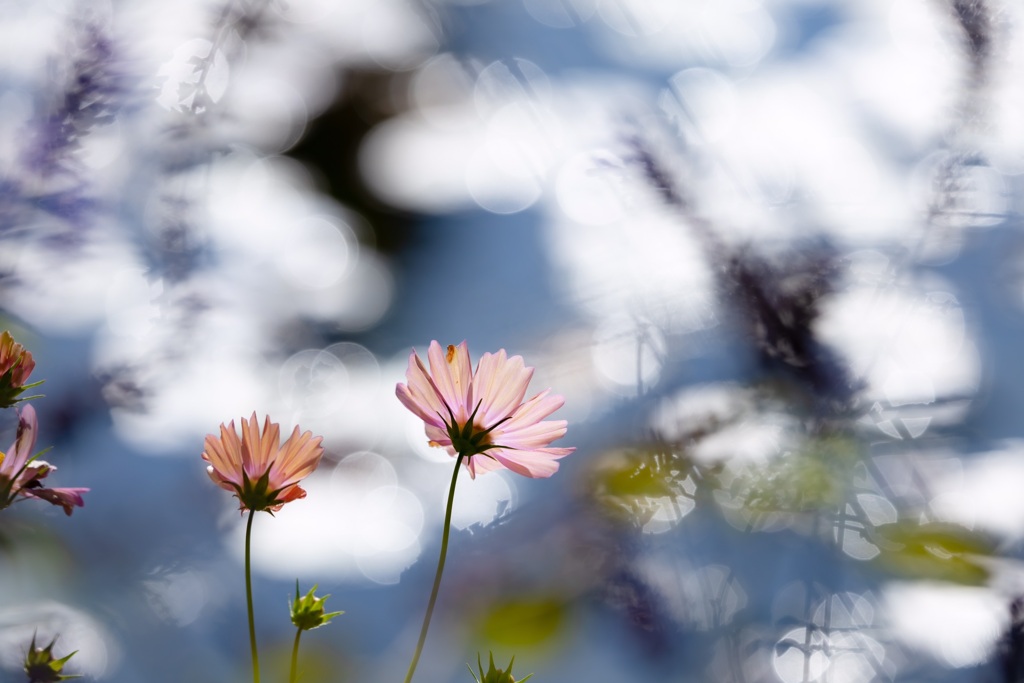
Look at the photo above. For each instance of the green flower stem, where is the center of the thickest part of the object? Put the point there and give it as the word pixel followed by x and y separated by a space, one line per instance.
pixel 295 657
pixel 248 600
pixel 440 570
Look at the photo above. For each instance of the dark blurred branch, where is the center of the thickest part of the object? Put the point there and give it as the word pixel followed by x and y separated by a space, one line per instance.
pixel 777 301
pixel 1011 647
pixel 975 20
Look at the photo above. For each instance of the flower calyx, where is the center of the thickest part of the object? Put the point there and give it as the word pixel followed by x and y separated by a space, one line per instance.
pixel 469 439
pixel 257 495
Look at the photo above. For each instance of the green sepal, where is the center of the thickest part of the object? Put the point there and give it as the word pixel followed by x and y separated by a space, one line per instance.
pixel 467 439
pixel 258 496
pixel 10 394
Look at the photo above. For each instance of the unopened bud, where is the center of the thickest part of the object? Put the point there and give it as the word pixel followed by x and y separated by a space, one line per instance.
pixel 42 667
pixel 495 675
pixel 308 610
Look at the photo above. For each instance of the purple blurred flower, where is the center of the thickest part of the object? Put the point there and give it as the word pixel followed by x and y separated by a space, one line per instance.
pixel 21 474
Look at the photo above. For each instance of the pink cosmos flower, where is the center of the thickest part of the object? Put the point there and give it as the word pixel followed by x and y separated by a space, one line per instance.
pixel 481 415
pixel 263 473
pixel 22 475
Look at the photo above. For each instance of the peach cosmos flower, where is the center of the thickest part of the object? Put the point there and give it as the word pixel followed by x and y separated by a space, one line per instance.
pixel 263 473
pixel 481 415
pixel 21 474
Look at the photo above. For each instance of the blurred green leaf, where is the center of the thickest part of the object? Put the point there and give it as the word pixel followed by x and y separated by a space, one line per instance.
pixel 320 661
pixel 525 622
pixel 638 476
pixel 938 551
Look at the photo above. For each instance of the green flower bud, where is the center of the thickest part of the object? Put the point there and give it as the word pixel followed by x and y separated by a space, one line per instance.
pixel 41 667
pixel 494 675
pixel 308 610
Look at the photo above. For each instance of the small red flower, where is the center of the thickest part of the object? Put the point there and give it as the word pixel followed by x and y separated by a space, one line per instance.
pixel 261 471
pixel 16 364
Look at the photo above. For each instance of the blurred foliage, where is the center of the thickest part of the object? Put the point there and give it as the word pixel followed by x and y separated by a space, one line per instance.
pixel 528 621
pixel 815 477
pixel 34 550
pixel 629 483
pixel 934 550
pixel 319 662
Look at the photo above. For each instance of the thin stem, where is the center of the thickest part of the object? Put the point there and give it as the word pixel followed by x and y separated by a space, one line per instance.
pixel 295 657
pixel 440 570
pixel 248 600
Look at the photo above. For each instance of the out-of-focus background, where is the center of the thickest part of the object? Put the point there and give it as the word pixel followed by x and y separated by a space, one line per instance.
pixel 768 250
